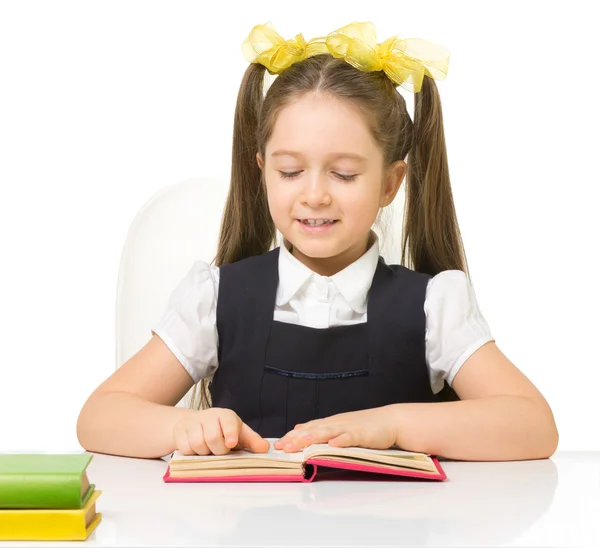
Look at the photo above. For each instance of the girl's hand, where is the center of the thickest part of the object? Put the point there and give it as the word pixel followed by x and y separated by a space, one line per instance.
pixel 216 431
pixel 370 428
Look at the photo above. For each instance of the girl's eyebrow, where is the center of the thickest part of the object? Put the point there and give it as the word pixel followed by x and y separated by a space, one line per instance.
pixel 350 155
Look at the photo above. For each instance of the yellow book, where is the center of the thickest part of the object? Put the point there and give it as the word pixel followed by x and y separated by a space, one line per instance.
pixel 50 524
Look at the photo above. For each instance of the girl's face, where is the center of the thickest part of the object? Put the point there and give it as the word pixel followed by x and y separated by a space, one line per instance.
pixel 325 181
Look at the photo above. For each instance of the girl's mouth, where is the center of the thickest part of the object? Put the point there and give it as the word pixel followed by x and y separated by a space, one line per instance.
pixel 317 225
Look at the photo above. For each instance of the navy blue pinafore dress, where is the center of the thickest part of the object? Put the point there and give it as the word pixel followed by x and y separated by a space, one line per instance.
pixel 275 375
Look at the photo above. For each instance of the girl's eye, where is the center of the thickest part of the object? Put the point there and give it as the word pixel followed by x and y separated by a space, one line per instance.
pixel 291 174
pixel 288 174
pixel 346 177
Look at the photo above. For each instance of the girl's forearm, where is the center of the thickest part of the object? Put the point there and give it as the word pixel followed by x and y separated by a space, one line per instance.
pixel 120 423
pixel 495 428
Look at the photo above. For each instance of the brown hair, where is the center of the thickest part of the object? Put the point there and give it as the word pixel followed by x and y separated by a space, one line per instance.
pixel 431 236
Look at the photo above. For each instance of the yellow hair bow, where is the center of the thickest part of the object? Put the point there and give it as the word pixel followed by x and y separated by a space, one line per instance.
pixel 404 61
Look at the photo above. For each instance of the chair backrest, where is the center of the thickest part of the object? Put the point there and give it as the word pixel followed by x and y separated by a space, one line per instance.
pixel 177 226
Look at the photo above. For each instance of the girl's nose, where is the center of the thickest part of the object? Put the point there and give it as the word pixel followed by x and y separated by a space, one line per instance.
pixel 315 193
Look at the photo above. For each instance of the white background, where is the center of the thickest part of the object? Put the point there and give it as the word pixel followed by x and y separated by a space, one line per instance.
pixel 104 103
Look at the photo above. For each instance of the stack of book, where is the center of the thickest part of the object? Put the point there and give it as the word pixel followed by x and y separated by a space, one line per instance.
pixel 47 497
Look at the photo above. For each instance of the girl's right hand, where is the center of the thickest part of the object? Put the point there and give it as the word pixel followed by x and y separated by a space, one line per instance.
pixel 216 431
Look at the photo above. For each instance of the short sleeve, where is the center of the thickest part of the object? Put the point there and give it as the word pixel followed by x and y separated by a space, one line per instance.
pixel 455 327
pixel 189 326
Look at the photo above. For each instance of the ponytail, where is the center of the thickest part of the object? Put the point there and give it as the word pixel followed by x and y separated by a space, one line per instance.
pixel 247 227
pixel 430 222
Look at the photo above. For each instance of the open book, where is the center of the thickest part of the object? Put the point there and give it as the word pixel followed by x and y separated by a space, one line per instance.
pixel 279 466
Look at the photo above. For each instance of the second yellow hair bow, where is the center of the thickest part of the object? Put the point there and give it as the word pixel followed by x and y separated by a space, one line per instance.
pixel 404 61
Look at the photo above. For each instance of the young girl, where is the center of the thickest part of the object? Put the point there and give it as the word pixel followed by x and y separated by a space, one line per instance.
pixel 319 340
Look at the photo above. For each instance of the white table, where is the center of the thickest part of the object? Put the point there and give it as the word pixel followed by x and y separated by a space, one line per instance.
pixel 554 502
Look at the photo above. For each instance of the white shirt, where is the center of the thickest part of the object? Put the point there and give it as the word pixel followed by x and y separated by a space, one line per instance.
pixel 454 330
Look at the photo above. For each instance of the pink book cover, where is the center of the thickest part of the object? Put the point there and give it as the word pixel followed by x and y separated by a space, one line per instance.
pixel 311 472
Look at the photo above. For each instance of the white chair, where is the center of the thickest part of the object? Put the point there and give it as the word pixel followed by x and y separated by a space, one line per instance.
pixel 175 227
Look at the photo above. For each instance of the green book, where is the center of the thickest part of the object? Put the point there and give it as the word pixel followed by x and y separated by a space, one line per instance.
pixel 44 481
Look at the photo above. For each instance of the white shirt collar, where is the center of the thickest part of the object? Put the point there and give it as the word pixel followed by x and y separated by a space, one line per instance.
pixel 353 282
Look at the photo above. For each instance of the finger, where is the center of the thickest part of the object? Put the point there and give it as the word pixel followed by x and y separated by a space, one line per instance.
pixel 304 425
pixel 346 439
pixel 180 438
pixel 213 435
pixel 296 440
pixel 249 439
pixel 230 426
pixel 195 439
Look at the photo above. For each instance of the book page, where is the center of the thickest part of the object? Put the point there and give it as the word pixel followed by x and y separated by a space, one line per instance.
pixel 243 471
pixel 381 461
pixel 324 449
pixel 272 454
pixel 241 462
pixel 384 458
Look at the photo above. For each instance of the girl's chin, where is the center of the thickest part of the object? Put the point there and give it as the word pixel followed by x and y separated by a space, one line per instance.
pixel 316 250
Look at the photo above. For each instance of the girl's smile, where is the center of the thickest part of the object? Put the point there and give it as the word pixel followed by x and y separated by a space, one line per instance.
pixel 317 226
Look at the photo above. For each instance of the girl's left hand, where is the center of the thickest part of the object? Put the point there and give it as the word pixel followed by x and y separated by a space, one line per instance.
pixel 370 428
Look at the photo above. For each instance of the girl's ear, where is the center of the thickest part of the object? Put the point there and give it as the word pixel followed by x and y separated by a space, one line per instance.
pixel 394 175
pixel 259 159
